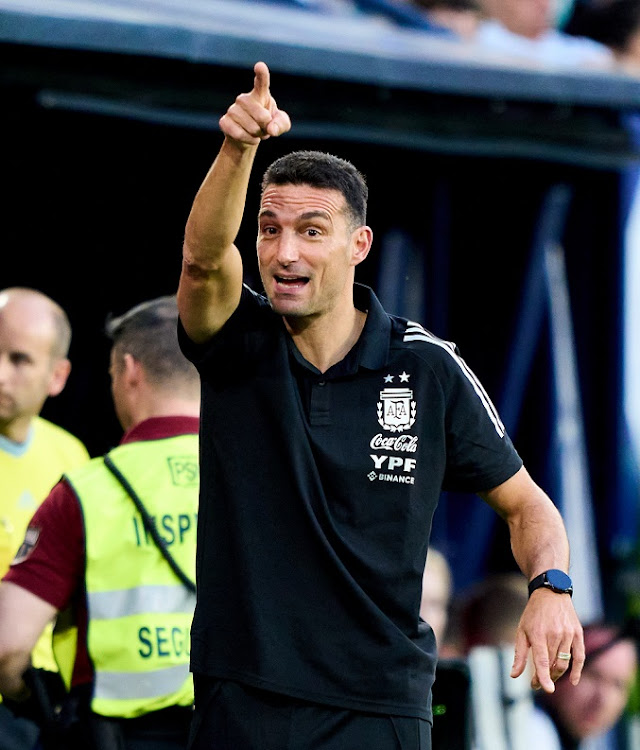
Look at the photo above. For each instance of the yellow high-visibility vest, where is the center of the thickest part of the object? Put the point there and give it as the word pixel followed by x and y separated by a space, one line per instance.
pixel 139 612
pixel 28 472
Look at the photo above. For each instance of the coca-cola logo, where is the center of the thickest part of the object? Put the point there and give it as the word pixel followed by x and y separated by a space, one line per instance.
pixel 402 443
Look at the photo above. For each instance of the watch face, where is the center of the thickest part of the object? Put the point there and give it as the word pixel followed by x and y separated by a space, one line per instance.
pixel 559 580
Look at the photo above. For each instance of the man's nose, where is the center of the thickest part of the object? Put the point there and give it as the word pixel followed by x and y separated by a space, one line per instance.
pixel 287 248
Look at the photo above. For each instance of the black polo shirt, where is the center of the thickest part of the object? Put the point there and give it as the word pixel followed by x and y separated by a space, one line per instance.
pixel 317 493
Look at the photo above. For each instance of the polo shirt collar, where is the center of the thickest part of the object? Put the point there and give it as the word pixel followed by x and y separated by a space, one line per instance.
pixel 373 348
pixel 159 428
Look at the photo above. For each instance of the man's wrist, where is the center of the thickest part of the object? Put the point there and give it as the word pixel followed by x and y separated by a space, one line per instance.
pixel 555 580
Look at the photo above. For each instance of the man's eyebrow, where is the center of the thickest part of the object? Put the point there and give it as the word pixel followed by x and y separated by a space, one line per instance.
pixel 315 215
pixel 304 217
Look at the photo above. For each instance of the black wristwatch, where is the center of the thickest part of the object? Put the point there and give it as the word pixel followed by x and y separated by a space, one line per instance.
pixel 556 580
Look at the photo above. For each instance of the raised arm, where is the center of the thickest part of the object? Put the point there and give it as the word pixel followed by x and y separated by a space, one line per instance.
pixel 211 277
pixel 549 624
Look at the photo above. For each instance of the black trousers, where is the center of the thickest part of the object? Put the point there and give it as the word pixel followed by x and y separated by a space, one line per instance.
pixel 167 729
pixel 232 716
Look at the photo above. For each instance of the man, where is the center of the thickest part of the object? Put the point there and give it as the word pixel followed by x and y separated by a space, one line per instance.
pixel 342 424
pixel 111 553
pixel 450 692
pixel 437 591
pixel 488 612
pixel 526 30
pixel 485 619
pixel 566 719
pixel 35 334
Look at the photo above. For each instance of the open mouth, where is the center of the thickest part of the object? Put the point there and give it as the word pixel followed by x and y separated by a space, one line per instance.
pixel 293 282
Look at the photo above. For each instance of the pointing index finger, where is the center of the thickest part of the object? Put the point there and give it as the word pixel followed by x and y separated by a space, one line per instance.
pixel 261 82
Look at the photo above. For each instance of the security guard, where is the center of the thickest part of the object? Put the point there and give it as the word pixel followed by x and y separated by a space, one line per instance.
pixel 111 555
pixel 35 336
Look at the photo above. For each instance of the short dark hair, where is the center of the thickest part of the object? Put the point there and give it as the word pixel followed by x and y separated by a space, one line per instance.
pixel 322 170
pixel 610 22
pixel 149 332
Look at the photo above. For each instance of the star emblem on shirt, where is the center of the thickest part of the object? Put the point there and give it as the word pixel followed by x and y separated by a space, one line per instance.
pixel 388 378
pixel 404 377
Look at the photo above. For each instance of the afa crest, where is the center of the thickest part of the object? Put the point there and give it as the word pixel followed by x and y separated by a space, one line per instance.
pixel 396 409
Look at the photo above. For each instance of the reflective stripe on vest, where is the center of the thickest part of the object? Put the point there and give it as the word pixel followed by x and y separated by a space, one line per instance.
pixel 110 605
pixel 139 611
pixel 134 686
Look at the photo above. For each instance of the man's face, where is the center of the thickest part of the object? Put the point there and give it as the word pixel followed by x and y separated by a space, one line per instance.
pixel 434 604
pixel 306 251
pixel 528 18
pixel 596 703
pixel 27 367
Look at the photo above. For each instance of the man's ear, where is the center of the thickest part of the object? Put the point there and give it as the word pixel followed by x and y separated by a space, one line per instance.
pixel 132 369
pixel 59 375
pixel 362 239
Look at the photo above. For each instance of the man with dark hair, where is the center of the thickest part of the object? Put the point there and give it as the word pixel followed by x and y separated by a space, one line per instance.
pixel 111 554
pixel 342 425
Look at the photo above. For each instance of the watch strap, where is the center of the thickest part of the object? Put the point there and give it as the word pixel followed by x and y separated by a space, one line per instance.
pixel 543 580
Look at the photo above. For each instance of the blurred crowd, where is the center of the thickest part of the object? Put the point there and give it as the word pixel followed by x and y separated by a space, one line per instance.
pixel 476 630
pixel 594 34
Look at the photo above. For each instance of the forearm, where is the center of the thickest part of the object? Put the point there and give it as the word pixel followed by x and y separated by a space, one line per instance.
pixel 216 214
pixel 211 279
pixel 23 618
pixel 549 624
pixel 538 538
pixel 537 532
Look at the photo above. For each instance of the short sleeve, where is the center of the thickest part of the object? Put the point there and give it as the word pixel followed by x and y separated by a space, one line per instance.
pixel 50 561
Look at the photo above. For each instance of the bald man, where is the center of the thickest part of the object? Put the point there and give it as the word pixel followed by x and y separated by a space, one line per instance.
pixel 34 342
